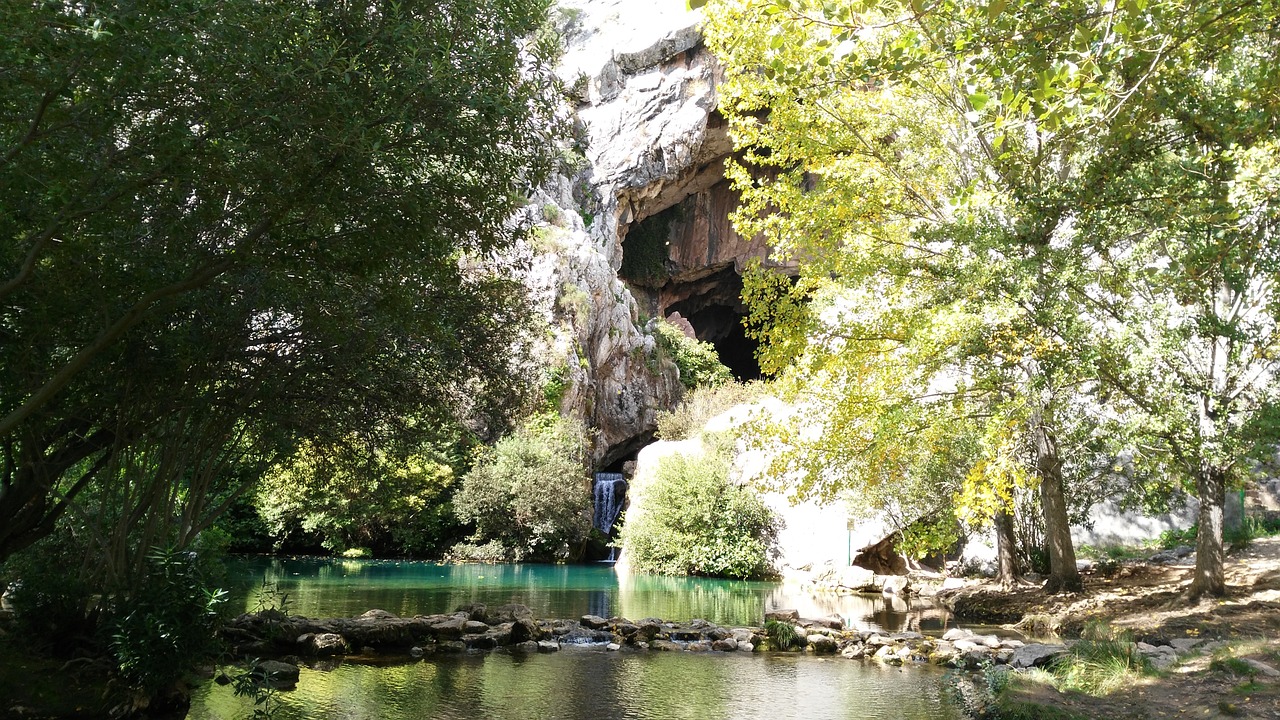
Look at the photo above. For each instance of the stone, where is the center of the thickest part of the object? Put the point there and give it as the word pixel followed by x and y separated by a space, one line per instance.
pixel 524 629
pixel 822 644
pixel 480 642
pixel 548 646
pixel 417 651
pixel 855 578
pixel 746 647
pixel 450 629
pixel 1011 644
pixel 957 634
pixel 451 646
pixel 666 645
pixel 275 674
pixel 1035 655
pixel 953 583
pixel 895 585
pixel 853 652
pixel 613 646
pixel 725 645
pixel 527 647
pixel 833 621
pixel 878 640
pixel 791 616
pixel 471 627
pixel 965 645
pixel 325 644
pixel 1183 645
pixel 377 615
pixel 718 633
pixel 1263 668
pixel 475 611
pixel 595 622
pixel 700 646
pixel 509 613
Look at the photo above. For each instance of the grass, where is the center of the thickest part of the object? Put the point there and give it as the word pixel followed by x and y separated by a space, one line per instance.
pixel 1101 663
pixel 782 635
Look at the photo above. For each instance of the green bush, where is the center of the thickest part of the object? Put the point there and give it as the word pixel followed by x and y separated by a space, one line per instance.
pixel 530 493
pixel 167 626
pixel 699 364
pixel 697 522
pixel 782 635
pixel 702 404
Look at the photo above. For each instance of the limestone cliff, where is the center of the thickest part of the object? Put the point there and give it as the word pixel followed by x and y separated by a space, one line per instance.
pixel 644 175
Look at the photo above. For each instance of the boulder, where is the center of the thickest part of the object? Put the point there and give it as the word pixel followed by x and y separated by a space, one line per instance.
pixel 275 674
pixel 548 646
pixel 377 615
pixel 325 644
pixel 895 585
pixel 595 622
pixel 1035 655
pixel 725 645
pixel 791 616
pixel 822 644
pixel 471 627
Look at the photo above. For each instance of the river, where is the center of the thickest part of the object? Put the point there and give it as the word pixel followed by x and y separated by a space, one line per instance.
pixel 578 682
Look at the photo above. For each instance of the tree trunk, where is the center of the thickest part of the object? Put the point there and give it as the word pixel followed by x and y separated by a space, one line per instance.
pixel 1209 577
pixel 1006 553
pixel 1063 574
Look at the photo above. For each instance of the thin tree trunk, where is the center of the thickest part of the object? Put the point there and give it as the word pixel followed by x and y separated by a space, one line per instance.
pixel 1063 574
pixel 1209 577
pixel 1006 554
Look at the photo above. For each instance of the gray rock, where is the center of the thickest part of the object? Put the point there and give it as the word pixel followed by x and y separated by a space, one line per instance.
pixel 725 645
pixel 595 622
pixel 548 646
pixel 1183 645
pixel 417 651
pixel 791 616
pixel 746 647
pixel 1263 668
pixel 895 585
pixel 377 615
pixel 853 651
pixel 834 622
pixel 822 644
pixel 613 646
pixel 472 627
pixel 957 634
pixel 325 644
pixel 1035 655
pixel 275 674
pixel 451 646
pixel 528 647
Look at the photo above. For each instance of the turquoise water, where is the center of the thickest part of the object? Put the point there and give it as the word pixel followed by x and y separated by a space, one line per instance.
pixel 581 682
pixel 592 684
pixel 329 587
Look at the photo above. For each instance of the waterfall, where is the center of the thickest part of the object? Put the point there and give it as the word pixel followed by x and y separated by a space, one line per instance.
pixel 608 491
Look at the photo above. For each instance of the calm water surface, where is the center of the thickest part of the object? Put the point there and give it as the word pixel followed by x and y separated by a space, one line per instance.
pixel 579 683
pixel 328 587
pixel 587 684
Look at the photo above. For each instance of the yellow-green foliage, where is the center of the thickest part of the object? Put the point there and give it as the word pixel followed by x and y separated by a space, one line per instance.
pixel 698 362
pixel 702 404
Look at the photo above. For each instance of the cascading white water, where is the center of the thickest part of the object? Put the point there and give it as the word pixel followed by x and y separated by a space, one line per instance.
pixel 609 492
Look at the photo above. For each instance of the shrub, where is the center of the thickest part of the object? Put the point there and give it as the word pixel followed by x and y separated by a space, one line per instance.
pixel 697 522
pixel 782 635
pixel 699 364
pixel 702 404
pixel 530 492
pixel 168 625
pixel 1102 662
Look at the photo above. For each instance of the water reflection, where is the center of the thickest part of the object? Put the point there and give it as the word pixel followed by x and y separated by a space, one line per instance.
pixel 593 684
pixel 324 587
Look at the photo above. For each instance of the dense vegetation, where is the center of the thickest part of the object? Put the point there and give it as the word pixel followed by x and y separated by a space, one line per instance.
pixel 1037 249
pixel 241 236
pixel 697 521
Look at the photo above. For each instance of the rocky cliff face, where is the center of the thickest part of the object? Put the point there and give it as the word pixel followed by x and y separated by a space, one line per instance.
pixel 635 226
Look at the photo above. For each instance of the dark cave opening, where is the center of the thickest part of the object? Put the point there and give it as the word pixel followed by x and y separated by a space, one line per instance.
pixel 714 308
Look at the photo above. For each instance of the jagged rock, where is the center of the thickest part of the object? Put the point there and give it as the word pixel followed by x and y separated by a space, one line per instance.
pixel 835 622
pixel 548 646
pixel 725 645
pixel 471 627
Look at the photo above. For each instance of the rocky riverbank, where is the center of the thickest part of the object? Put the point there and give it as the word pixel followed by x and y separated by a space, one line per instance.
pixel 513 628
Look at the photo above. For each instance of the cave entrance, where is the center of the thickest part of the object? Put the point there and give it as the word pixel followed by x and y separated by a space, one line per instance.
pixel 714 307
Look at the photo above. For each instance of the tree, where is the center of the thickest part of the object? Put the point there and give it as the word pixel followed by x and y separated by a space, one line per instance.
pixel 531 492
pixel 235 227
pixel 957 149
